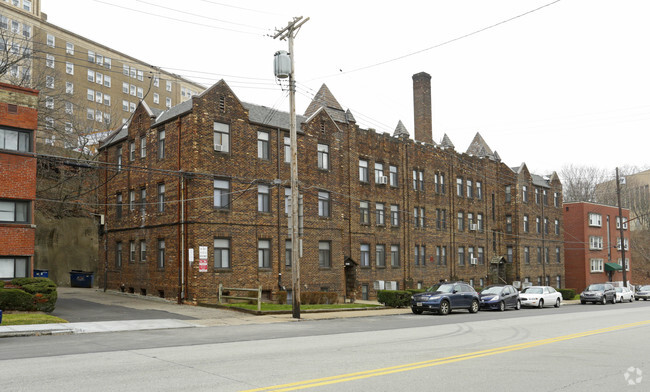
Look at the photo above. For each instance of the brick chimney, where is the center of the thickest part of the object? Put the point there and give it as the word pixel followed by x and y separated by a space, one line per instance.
pixel 422 107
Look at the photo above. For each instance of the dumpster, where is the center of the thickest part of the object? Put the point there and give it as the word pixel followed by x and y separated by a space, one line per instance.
pixel 0 316
pixel 38 273
pixel 81 278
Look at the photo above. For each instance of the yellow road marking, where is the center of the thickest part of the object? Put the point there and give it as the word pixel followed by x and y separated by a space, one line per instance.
pixel 435 362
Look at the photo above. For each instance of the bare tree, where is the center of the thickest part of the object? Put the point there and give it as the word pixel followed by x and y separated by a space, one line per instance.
pixel 579 183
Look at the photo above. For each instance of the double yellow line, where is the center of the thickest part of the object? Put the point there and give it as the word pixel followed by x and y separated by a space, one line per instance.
pixel 440 361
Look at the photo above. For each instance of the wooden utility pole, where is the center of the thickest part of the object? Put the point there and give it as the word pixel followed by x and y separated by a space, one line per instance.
pixel 289 33
pixel 620 226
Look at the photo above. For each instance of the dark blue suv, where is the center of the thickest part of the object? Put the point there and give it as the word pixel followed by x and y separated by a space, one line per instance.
pixel 445 297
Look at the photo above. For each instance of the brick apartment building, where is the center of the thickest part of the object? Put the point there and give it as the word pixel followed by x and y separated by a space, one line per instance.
pixel 87 89
pixel 593 244
pixel 211 176
pixel 18 118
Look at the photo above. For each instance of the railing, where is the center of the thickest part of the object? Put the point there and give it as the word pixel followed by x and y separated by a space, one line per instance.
pixel 258 299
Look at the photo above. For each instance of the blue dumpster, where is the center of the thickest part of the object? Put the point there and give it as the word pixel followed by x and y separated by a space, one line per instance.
pixel 38 273
pixel 81 278
pixel 0 316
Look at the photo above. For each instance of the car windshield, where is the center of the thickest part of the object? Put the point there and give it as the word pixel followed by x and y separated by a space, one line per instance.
pixel 532 290
pixel 492 290
pixel 443 288
pixel 596 287
pixel 645 288
pixel 619 289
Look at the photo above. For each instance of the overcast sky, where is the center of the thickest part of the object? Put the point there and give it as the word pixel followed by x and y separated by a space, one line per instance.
pixel 565 84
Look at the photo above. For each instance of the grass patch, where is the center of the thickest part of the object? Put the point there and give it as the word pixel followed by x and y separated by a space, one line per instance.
pixel 272 307
pixel 29 318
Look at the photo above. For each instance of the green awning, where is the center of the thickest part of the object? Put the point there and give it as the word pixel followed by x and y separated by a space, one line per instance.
pixel 612 267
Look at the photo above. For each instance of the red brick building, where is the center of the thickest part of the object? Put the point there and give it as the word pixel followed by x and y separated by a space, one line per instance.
pixel 210 177
pixel 593 244
pixel 18 122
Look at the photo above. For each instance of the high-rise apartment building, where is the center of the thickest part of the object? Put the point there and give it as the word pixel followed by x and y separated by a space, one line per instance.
pixel 86 88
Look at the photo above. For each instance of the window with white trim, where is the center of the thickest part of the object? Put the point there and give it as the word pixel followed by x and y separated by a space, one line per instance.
pixel 221 136
pixel 221 253
pixel 596 265
pixel 595 220
pixel 595 242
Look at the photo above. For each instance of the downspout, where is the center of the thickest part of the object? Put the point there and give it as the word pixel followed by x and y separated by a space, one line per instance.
pixel 181 216
pixel 407 208
pixel 105 233
pixel 452 219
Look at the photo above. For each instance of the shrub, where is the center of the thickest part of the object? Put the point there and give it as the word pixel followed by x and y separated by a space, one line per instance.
pixel 2 284
pixel 42 291
pixel 16 299
pixel 567 294
pixel 318 297
pixel 394 298
pixel 281 297
pixel 416 291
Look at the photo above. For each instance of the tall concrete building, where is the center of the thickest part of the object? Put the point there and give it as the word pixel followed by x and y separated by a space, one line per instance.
pixel 86 88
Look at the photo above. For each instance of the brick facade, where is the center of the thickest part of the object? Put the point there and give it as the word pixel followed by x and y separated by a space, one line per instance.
pixel 352 226
pixel 18 115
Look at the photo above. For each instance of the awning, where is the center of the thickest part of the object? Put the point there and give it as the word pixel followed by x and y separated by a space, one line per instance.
pixel 612 267
pixel 498 260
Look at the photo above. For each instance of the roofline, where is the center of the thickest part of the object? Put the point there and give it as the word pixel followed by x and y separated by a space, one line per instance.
pixel 595 204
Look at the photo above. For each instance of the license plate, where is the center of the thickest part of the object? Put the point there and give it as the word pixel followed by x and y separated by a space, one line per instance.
pixel 419 304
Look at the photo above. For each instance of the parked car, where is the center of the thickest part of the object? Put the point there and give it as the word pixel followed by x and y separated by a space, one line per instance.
pixel 643 293
pixel 500 296
pixel 624 294
pixel 598 293
pixel 445 297
pixel 540 296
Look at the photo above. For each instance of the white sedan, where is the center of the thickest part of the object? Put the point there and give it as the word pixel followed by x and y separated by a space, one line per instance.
pixel 624 294
pixel 540 296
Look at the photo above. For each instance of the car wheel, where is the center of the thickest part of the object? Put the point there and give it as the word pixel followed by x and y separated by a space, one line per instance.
pixel 416 311
pixel 557 303
pixel 603 301
pixel 636 299
pixel 583 302
pixel 444 308
pixel 502 306
pixel 474 307
pixel 540 304
pixel 631 299
pixel 518 306
pixel 613 299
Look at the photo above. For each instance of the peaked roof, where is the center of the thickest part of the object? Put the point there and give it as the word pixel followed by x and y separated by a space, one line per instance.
pixel 446 142
pixel 325 99
pixel 479 147
pixel 401 130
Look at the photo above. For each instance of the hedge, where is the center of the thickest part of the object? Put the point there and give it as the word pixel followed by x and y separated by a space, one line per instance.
pixel 30 294
pixel 394 298
pixel 318 297
pixel 567 294
pixel 281 297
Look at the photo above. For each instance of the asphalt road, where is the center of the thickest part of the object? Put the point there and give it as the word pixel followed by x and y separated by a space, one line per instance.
pixel 78 310
pixel 573 348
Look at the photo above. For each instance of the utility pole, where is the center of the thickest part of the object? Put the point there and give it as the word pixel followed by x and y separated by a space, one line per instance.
pixel 620 225
pixel 543 224
pixel 289 32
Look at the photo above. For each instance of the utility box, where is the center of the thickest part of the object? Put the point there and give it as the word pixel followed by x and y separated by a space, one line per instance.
pixel 38 273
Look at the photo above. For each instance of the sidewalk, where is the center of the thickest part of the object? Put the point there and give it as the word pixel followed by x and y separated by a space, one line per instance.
pixel 193 316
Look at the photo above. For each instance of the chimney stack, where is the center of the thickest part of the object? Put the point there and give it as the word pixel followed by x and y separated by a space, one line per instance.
pixel 422 107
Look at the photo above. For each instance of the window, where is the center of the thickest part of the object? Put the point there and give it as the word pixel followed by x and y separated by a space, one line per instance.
pixel 107 100
pixel 221 253
pixel 221 137
pixel 91 75
pixel 13 267
pixel 156 98
pixel 262 145
pixel 27 5
pixel 69 68
pixel 363 170
pixel 479 190
pixel 143 199
pixel 107 63
pixel 125 107
pixel 627 263
pixel 461 255
pixel 288 248
pixel 15 140
pixel 509 254
pixel 49 122
pixel 131 107
pixel 91 56
pixel 618 223
pixel 526 224
pixel 558 281
pixel 459 187
pixel 481 255
pixel 168 86
pixel 140 92
pixel 69 108
pixel 394 255
pixel 324 257
pixel 460 224
pixel 49 81
pixel 161 197
pixel 140 75
pixel 524 193
pixel 538 224
pixel 143 146
pixel 323 204
pixel 380 255
pixel 618 243
pixel 131 200
pixel 392 170
pixel 323 157
pixel 509 224
pixel 379 173
pixel 558 255
pixel 364 213
pixel 287 150
pixel 156 81
pixel 161 144
pixel 557 226
pixel 527 254
pixel 438 255
pixel 263 198
pixel 14 211
pixel 99 78
pixel 118 254
pixel 545 199
pixel 418 180
pixel 132 150
pixel 221 194
pixel 125 70
pixel 132 89
pixel 508 194
pixel 539 255
pixel 168 102
pixel 416 255
pixel 596 265
pixel 416 221
pixel 441 219
pixel 143 251
pixel 421 217
pixel 364 257
pixel 470 189
pixel 596 242
pixel 49 60
pixel 161 253
pixel 118 206
pixel 51 41
pixel 90 95
pixel 131 251
pixel 69 88
pixel 133 72
pixel 394 215
pixel 380 218
pixel 556 199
